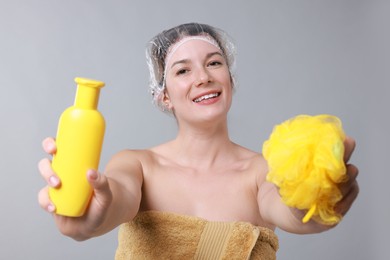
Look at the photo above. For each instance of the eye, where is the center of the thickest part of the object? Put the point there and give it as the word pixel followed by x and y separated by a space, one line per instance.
pixel 181 71
pixel 214 63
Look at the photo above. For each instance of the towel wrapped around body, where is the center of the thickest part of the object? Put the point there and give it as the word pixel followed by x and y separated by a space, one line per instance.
pixel 163 235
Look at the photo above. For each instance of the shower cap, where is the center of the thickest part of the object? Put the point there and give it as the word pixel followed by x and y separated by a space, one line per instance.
pixel 161 45
pixel 305 159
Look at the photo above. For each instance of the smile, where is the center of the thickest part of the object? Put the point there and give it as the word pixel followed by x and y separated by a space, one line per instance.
pixel 206 97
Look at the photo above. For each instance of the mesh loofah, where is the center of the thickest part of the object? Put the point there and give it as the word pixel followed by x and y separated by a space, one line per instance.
pixel 305 159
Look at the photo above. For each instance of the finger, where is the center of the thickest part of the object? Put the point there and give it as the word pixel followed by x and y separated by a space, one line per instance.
pixel 47 173
pixel 100 185
pixel 343 206
pixel 349 147
pixel 49 145
pixel 352 173
pixel 44 200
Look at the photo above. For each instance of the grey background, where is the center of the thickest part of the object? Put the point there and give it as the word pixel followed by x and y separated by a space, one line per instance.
pixel 294 57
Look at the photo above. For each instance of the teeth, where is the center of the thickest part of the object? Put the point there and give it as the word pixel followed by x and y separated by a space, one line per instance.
pixel 206 97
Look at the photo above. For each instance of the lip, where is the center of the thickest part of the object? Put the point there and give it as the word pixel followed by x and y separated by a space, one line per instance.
pixel 205 94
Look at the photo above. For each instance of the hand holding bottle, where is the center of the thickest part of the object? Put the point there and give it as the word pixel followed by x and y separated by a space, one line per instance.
pixel 83 227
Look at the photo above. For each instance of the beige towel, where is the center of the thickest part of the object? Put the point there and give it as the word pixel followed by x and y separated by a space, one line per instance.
pixel 162 235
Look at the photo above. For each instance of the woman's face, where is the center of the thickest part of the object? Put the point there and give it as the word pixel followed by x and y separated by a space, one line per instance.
pixel 198 82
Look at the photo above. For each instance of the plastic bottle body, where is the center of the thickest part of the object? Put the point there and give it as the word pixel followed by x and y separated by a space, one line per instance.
pixel 79 142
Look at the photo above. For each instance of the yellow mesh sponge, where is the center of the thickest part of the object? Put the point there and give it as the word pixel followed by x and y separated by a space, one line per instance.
pixel 305 160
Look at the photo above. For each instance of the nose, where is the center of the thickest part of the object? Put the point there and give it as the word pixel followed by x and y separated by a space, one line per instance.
pixel 202 77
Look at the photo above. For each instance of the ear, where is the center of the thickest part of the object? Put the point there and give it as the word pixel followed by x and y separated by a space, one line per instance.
pixel 167 101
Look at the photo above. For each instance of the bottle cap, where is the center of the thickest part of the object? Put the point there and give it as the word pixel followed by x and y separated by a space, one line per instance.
pixel 89 82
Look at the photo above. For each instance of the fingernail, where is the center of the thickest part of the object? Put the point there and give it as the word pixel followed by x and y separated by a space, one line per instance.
pixel 92 174
pixel 54 181
pixel 49 146
pixel 51 208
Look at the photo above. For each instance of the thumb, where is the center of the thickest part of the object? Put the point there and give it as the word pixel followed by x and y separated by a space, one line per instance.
pixel 349 145
pixel 100 185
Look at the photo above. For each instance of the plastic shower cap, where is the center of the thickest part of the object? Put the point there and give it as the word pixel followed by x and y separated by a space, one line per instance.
pixel 305 159
pixel 160 46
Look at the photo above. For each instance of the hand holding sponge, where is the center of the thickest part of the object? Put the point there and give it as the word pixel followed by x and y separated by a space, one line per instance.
pixel 305 160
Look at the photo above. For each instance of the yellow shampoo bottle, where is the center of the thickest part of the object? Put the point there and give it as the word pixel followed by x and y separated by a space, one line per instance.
pixel 79 142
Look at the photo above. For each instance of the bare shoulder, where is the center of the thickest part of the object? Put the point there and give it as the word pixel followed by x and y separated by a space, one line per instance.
pixel 255 160
pixel 126 160
pixel 127 165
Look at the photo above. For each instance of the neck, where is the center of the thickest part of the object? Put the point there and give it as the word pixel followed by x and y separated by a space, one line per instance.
pixel 202 147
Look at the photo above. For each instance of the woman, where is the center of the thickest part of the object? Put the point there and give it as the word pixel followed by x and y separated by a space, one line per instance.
pixel 199 195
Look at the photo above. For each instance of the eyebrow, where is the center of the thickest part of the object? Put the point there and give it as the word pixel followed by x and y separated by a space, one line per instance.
pixel 209 55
